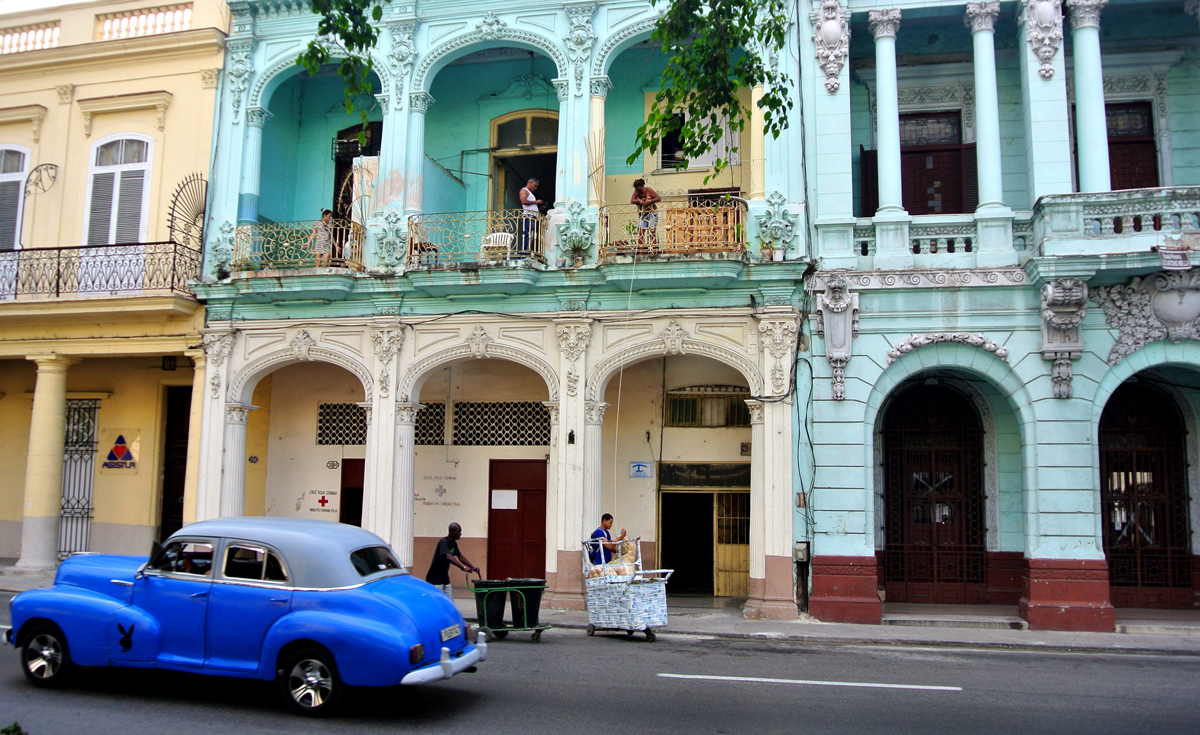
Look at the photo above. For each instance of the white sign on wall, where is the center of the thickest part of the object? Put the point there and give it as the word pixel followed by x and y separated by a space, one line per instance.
pixel 642 470
pixel 504 500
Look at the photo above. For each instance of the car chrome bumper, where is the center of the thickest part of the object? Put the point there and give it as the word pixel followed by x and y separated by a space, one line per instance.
pixel 447 667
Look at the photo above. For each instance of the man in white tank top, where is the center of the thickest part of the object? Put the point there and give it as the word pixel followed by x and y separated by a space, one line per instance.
pixel 529 213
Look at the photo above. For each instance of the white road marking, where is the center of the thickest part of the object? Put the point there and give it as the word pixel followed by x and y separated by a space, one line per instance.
pixel 807 682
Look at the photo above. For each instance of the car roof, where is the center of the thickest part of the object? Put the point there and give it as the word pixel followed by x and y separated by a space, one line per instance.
pixel 317 553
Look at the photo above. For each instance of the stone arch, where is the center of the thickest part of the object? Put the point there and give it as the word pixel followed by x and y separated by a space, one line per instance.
pixel 416 372
pixel 266 82
pixel 446 52
pixel 241 386
pixel 600 375
pixel 621 39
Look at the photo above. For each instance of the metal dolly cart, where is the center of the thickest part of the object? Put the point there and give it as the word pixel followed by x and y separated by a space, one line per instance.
pixel 491 619
pixel 623 596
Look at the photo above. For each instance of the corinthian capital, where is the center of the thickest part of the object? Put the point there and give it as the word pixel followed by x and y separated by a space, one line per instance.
pixel 982 16
pixel 884 23
pixel 1085 13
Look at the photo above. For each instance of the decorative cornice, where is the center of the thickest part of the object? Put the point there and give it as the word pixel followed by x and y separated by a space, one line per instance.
pixel 981 16
pixel 96 54
pixel 924 278
pixel 884 23
pixel 159 101
pixel 831 37
pixel 1043 31
pixel 967 338
pixel 1085 13
pixel 34 114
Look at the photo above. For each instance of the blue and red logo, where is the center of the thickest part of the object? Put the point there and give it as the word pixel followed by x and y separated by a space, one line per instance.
pixel 120 457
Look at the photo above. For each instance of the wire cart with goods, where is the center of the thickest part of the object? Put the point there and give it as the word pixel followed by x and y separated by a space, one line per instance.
pixel 526 598
pixel 620 594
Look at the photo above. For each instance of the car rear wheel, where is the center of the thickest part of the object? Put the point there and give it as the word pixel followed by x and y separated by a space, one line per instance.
pixel 310 683
pixel 45 658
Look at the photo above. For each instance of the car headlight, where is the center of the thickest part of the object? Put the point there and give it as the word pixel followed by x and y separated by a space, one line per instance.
pixel 416 654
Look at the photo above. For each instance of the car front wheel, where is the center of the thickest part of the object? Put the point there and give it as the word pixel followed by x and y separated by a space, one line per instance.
pixel 310 683
pixel 45 657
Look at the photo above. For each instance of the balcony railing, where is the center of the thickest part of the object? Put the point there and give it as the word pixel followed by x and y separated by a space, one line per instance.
pixel 1127 221
pixel 98 270
pixel 676 228
pixel 467 239
pixel 294 245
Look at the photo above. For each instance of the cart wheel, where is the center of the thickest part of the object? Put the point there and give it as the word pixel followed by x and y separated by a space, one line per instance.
pixel 487 632
pixel 650 637
pixel 537 636
pixel 591 629
pixel 629 633
pixel 500 634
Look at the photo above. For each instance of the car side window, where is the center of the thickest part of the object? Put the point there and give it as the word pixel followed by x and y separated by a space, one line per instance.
pixel 186 557
pixel 243 561
pixel 373 559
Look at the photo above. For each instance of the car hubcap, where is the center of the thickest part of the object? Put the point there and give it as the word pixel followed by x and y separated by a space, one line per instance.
pixel 45 657
pixel 310 683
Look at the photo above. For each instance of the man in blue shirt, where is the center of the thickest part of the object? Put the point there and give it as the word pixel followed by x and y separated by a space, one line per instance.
pixel 603 545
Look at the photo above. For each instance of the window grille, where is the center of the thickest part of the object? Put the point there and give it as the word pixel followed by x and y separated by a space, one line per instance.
pixel 79 470
pixel 523 424
pixel 708 406
pixel 431 425
pixel 341 424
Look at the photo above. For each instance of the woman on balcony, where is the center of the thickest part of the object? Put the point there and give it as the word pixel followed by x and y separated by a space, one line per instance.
pixel 529 218
pixel 321 239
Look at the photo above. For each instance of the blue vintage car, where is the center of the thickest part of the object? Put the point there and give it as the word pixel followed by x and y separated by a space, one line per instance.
pixel 317 606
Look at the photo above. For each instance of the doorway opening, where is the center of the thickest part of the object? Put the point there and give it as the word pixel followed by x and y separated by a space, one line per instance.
pixel 516 519
pixel 351 505
pixel 704 528
pixel 524 146
pixel 179 409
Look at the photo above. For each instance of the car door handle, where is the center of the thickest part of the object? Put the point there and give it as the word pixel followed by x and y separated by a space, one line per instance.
pixel 200 594
pixel 278 599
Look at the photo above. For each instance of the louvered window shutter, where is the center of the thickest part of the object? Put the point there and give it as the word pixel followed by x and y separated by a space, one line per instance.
pixel 970 177
pixel 100 209
pixel 10 202
pixel 129 207
pixel 869 181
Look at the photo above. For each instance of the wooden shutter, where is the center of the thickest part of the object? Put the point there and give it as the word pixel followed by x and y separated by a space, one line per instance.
pixel 129 207
pixel 868 176
pixel 10 203
pixel 100 208
pixel 970 179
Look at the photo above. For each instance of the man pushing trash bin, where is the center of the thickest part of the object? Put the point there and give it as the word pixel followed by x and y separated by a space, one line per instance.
pixel 448 553
pixel 603 544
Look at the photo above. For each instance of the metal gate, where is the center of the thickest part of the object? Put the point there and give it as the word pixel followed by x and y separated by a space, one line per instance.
pixel 79 470
pixel 732 567
pixel 1143 492
pixel 935 524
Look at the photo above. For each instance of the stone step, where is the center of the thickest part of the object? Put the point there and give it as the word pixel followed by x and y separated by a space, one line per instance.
pixel 1158 627
pixel 987 622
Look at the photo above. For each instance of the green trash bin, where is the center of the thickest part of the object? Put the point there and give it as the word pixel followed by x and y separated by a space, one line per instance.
pixel 526 602
pixel 489 606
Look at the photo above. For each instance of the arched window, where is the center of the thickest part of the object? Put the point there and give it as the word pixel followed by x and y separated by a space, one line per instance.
pixel 527 131
pixel 13 164
pixel 118 190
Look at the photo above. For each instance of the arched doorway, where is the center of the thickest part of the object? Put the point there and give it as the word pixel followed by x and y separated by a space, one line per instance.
pixel 524 146
pixel 1144 499
pixel 935 526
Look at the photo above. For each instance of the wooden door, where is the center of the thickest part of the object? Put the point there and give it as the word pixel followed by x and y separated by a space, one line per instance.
pixel 933 499
pixel 351 507
pixel 179 410
pixel 516 519
pixel 1144 500
pixel 1132 153
pixel 731 574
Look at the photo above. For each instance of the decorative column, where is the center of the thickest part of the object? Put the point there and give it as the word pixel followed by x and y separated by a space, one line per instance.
pixel 256 117
pixel 404 467
pixel 387 339
pixel 891 220
pixel 758 140
pixel 233 469
pixel 758 511
pixel 832 186
pixel 593 478
pixel 993 220
pixel 1091 124
pixel 393 149
pixel 552 500
pixel 601 86
pixel 44 465
pixel 1044 99
pixel 414 178
pixel 562 86
pixel 196 412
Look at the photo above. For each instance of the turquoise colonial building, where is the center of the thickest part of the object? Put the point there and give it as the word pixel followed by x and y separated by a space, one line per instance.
pixel 932 344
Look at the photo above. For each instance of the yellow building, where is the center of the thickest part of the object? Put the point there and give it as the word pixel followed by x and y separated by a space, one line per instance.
pixel 106 118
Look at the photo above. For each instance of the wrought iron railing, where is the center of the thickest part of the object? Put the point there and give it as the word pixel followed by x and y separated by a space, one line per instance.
pixel 676 227
pixel 457 239
pixel 295 245
pixel 98 270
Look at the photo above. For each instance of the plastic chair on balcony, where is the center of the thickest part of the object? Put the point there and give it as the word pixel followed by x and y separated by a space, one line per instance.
pixel 420 249
pixel 497 246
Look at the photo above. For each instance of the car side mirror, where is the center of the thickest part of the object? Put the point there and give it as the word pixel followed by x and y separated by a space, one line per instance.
pixel 141 572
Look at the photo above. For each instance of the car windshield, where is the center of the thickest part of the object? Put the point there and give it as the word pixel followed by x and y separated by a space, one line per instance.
pixel 373 559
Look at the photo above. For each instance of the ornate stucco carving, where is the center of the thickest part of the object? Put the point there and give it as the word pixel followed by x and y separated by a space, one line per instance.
pixel 66 92
pixel 217 346
pixel 594 412
pixel 1043 23
pixel 1164 306
pixel 489 28
pixel 239 69
pixel 256 117
pixel 390 242
pixel 837 323
pixel 930 278
pixel 563 87
pixel 420 101
pixel 573 339
pixel 208 79
pixel 884 23
pixel 302 345
pixel 967 338
pixel 831 35
pixel 402 55
pixel 486 30
pixel 600 86
pixel 576 233
pixel 776 227
pixel 223 249
pixel 478 341
pixel 673 336
pixel 579 40
pixel 237 413
pixel 1085 13
pixel 982 16
pixel 387 342
pixel 757 411
pixel 779 339
pixel 1064 305
pixel 406 413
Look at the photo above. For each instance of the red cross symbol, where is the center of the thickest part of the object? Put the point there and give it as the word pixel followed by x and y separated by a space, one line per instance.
pixel 324 501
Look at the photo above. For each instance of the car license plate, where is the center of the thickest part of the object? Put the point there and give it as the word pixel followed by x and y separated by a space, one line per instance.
pixel 452 632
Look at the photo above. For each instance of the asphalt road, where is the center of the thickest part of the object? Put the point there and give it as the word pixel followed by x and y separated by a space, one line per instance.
pixel 570 683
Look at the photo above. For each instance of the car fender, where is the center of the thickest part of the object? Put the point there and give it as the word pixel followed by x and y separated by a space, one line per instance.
pixel 134 636
pixel 83 616
pixel 367 651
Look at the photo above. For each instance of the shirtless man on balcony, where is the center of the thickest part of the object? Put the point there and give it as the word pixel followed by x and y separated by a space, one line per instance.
pixel 646 198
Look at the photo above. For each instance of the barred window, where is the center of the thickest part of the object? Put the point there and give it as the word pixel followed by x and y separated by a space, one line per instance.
pixel 523 424
pixel 708 406
pixel 431 425
pixel 341 424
